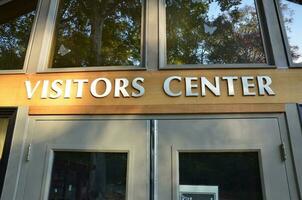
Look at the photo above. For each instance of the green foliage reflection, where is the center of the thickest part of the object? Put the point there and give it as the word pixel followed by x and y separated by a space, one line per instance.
pixel 98 33
pixel 213 32
pixel 16 22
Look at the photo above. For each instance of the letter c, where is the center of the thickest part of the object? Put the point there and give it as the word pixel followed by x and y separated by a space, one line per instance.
pixel 167 88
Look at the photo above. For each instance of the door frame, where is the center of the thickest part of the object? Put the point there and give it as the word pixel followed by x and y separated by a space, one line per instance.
pixel 290 130
pixel 289 124
pixel 50 148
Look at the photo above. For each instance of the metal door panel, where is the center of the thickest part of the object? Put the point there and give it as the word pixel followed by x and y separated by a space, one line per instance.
pixel 92 135
pixel 222 135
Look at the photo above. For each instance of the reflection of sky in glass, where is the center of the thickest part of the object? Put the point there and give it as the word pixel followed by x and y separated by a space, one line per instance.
pixel 215 10
pixel 199 31
pixel 294 34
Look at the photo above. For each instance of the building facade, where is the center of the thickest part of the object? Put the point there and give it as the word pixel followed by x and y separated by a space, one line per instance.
pixel 154 99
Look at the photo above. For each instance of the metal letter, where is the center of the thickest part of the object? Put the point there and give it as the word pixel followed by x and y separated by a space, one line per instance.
pixel 206 83
pixel 120 87
pixel 190 86
pixel 67 89
pixel 108 87
pixel 45 89
pixel 138 87
pixel 230 83
pixel 56 89
pixel 264 83
pixel 80 83
pixel 167 88
pixel 246 85
pixel 29 91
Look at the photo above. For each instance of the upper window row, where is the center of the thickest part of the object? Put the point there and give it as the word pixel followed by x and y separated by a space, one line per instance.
pixel 92 33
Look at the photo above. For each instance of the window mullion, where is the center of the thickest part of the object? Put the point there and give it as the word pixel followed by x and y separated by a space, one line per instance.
pixel 151 35
pixel 275 35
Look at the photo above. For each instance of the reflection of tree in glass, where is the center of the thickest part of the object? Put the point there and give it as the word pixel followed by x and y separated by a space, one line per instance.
pixel 86 175
pixel 14 37
pixel 197 34
pixel 98 33
pixel 288 15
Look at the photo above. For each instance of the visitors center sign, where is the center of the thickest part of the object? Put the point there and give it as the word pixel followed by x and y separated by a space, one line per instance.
pixel 193 86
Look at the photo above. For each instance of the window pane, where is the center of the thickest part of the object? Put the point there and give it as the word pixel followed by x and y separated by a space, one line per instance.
pixel 233 176
pixel 292 14
pixel 97 33
pixel 213 32
pixel 16 20
pixel 83 175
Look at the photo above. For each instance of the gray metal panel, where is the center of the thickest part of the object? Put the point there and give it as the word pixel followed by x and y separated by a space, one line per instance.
pixel 295 137
pixel 294 193
pixel 86 134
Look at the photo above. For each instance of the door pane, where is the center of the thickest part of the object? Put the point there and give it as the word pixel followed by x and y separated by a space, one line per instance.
pixel 235 175
pixel 97 33
pixel 213 32
pixel 84 176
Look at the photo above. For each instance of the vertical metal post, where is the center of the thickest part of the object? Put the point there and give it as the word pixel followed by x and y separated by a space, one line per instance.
pixel 153 160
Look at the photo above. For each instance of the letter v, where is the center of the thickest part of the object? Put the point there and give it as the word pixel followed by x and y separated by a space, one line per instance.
pixel 29 91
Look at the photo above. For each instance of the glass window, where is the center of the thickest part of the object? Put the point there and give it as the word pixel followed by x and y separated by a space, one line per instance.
pixel 16 20
pixel 229 175
pixel 213 32
pixel 85 175
pixel 97 33
pixel 291 11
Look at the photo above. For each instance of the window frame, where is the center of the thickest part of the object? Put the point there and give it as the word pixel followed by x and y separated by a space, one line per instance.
pixel 285 37
pixel 264 31
pixel 48 37
pixel 30 43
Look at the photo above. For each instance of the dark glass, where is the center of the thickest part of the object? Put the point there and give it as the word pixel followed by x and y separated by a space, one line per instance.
pixel 291 11
pixel 236 174
pixel 213 32
pixel 97 33
pixel 16 20
pixel 87 176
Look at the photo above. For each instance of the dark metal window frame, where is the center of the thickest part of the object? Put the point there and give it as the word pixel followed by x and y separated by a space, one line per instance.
pixel 285 38
pixel 10 114
pixel 153 41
